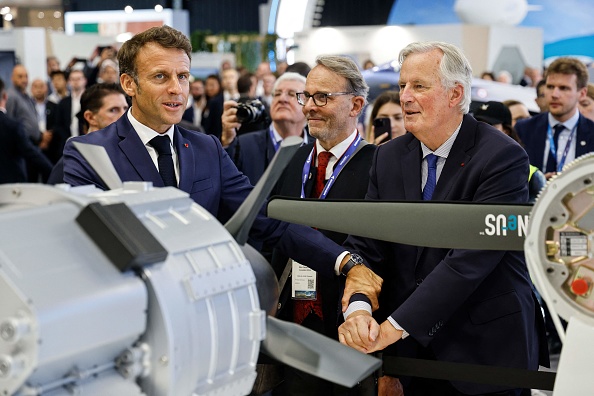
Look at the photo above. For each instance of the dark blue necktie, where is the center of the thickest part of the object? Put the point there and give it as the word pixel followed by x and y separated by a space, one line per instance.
pixel 431 176
pixel 162 144
pixel 552 159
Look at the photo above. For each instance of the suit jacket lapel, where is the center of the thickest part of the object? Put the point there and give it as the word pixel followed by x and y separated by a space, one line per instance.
pixel 410 163
pixel 185 157
pixel 137 155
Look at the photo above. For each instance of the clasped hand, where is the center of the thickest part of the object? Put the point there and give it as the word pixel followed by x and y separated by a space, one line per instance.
pixel 361 332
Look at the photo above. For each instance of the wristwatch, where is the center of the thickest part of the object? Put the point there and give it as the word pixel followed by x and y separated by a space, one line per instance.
pixel 354 260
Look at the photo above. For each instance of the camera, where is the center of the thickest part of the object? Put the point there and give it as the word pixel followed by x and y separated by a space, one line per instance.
pixel 250 111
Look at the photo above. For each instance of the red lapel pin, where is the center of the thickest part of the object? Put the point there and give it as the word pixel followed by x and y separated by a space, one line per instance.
pixel 186 145
pixel 462 164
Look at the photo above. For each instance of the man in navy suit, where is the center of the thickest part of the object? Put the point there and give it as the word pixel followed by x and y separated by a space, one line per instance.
pixel 455 305
pixel 555 138
pixel 253 151
pixel 155 71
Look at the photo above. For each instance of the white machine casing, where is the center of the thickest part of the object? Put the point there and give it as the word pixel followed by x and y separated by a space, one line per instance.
pixel 71 322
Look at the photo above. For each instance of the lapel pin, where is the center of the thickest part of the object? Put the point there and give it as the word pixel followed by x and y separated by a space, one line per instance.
pixel 186 145
pixel 583 143
pixel 462 164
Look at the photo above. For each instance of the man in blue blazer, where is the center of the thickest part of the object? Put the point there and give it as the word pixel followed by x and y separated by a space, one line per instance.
pixel 155 71
pixel 455 305
pixel 555 138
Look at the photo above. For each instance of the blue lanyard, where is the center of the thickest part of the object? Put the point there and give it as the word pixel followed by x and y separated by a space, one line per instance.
pixel 275 143
pixel 337 168
pixel 553 147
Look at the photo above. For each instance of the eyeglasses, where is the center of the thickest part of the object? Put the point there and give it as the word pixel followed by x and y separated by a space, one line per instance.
pixel 320 98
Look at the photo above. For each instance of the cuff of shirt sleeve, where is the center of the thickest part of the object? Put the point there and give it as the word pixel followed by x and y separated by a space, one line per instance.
pixel 338 261
pixel 357 306
pixel 398 327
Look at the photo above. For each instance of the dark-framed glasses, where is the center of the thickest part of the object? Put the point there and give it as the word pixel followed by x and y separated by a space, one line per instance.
pixel 320 98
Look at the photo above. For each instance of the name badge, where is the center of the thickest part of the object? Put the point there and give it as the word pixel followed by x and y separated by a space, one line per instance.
pixel 303 282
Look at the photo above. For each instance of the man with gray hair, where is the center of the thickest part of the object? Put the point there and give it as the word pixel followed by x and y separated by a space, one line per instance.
pixel 335 166
pixel 252 152
pixel 454 305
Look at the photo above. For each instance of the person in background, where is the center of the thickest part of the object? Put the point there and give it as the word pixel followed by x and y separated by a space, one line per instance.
pixel 252 152
pixel 299 67
pixel 17 152
pixel 21 108
pixel 67 123
pixel 541 99
pixel 487 75
pixel 196 105
pixel 100 105
pixel 60 85
pixel 586 104
pixel 498 115
pixel 386 105
pixel 46 115
pixel 268 87
pixel 505 77
pixel 368 64
pixel 108 72
pixel 518 111
pixel 555 138
pixel 52 64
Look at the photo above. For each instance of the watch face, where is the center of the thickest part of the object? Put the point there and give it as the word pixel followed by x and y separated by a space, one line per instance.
pixel 356 258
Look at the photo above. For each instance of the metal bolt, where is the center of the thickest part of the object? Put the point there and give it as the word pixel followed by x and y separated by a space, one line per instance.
pixel 164 360
pixel 7 331
pixel 4 367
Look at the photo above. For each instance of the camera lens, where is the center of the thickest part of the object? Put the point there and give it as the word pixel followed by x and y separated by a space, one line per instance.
pixel 250 111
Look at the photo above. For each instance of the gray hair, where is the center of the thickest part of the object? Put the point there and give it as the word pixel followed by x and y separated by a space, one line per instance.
pixel 345 67
pixel 288 76
pixel 454 68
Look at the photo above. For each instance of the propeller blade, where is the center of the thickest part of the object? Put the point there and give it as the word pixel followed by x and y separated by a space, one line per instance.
pixel 240 224
pixel 266 282
pixel 97 157
pixel 316 354
pixel 432 224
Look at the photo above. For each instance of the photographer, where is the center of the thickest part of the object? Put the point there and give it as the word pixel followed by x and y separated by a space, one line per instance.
pixel 253 112
pixel 253 151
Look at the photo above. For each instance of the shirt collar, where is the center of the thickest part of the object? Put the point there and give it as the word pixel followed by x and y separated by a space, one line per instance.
pixel 569 124
pixel 444 150
pixel 145 133
pixel 278 137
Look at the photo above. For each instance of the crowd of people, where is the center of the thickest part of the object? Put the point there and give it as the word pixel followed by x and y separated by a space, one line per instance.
pixel 214 137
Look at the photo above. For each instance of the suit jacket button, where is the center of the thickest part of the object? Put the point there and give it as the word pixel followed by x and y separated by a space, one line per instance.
pixel 419 281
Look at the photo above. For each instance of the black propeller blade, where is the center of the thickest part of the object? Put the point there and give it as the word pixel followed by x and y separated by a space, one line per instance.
pixel 431 224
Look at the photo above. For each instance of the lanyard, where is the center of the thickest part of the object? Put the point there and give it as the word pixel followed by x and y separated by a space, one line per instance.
pixel 275 143
pixel 337 168
pixel 553 147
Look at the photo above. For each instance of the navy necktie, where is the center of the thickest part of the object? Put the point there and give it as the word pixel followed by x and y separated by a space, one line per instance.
pixel 162 144
pixel 552 159
pixel 431 176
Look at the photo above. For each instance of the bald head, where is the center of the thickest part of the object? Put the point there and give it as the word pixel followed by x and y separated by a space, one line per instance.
pixel 20 78
pixel 39 90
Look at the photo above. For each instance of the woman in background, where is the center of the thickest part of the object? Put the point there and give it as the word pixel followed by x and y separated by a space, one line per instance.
pixel 386 105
